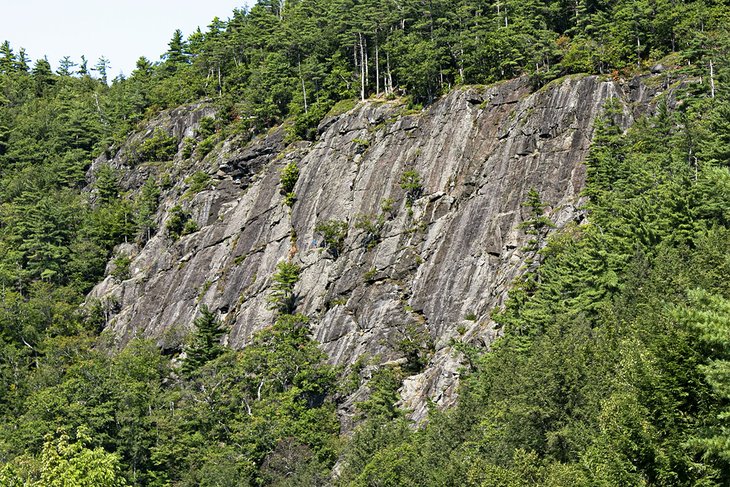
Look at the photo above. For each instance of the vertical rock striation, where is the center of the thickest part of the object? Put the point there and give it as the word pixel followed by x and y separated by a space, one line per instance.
pixel 434 266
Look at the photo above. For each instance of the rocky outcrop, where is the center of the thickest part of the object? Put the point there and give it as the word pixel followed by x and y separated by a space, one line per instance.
pixel 430 268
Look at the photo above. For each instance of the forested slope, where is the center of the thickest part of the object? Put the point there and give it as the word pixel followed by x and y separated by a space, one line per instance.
pixel 613 365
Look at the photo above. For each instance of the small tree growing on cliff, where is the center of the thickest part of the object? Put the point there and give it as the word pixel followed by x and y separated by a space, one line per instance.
pixel 410 182
pixel 205 345
pixel 282 298
pixel 537 224
pixel 333 235
pixel 289 178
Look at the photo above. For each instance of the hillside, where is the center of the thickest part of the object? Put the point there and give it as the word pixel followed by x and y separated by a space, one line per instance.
pixel 335 243
pixel 432 265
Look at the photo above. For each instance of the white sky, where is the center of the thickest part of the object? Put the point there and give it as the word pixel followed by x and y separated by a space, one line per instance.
pixel 121 30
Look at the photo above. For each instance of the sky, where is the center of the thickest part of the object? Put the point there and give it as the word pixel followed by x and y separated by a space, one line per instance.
pixel 120 30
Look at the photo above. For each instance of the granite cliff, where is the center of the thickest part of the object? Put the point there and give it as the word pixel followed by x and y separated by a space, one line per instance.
pixel 429 264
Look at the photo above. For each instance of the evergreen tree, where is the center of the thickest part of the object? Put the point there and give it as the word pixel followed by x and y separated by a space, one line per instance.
pixel 23 61
pixel 83 67
pixel 205 345
pixel 106 184
pixel 102 67
pixel 8 60
pixel 537 224
pixel 65 66
pixel 176 55
pixel 146 209
pixel 282 298
pixel 710 314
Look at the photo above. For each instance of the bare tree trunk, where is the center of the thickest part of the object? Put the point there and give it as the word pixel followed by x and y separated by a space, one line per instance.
pixel 362 68
pixel 712 80
pixel 377 66
pixel 304 88
pixel 367 73
pixel 461 64
pixel 390 75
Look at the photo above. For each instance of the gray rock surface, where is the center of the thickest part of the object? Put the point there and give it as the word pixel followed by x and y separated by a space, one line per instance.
pixel 438 267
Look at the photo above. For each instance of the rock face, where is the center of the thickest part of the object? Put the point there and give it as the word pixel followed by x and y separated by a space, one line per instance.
pixel 429 263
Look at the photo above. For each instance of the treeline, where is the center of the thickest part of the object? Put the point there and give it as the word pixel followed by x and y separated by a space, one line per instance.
pixel 297 58
pixel 283 59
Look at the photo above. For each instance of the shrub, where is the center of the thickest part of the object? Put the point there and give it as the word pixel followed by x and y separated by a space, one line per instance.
pixel 197 182
pixel 206 146
pixel 333 235
pixel 121 268
pixel 188 147
pixel 206 128
pixel 180 223
pixel 416 344
pixel 289 177
pixel 157 148
pixel 372 227
pixel 410 182
pixel 388 208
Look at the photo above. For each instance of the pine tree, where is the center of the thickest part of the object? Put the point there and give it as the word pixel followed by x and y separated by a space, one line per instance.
pixel 146 209
pixel 710 315
pixel 176 55
pixel 107 184
pixel 23 61
pixel 536 224
pixel 205 344
pixel 42 75
pixel 65 66
pixel 83 67
pixel 8 60
pixel 102 67
pixel 282 298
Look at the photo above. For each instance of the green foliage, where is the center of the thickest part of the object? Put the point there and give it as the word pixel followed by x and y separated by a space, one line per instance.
pixel 383 398
pixel 146 209
pixel 158 147
pixel 63 463
pixel 416 345
pixel 387 207
pixel 206 128
pixel 180 223
pixel 107 184
pixel 370 275
pixel 205 344
pixel 283 299
pixel 188 147
pixel 342 106
pixel 197 182
pixel 333 235
pixel 410 183
pixel 206 145
pixel 612 369
pixel 121 268
pixel 710 315
pixel 372 228
pixel 537 224
pixel 289 178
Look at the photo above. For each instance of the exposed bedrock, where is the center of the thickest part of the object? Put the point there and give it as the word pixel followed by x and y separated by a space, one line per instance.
pixel 436 266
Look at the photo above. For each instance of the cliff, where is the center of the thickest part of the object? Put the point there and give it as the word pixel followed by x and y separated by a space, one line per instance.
pixel 425 266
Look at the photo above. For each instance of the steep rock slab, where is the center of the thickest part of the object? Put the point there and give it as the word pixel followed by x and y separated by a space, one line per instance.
pixel 435 267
